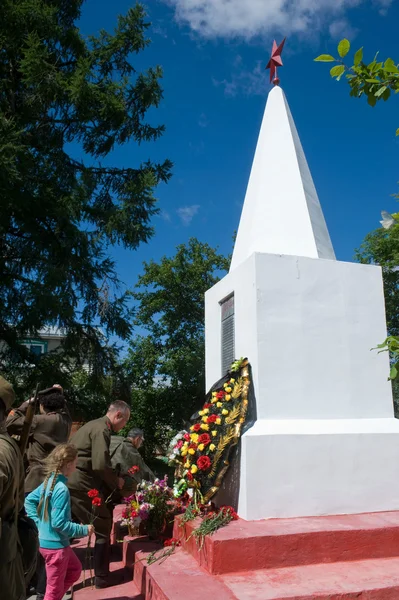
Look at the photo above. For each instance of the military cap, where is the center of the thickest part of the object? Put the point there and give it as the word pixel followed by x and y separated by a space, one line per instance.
pixel 52 390
pixel 7 394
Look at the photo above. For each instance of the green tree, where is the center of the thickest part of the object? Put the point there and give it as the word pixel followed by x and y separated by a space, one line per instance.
pixel 66 102
pixel 375 80
pixel 167 362
pixel 381 247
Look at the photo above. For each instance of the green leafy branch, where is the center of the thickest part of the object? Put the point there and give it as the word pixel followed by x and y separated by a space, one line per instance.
pixel 391 345
pixel 375 80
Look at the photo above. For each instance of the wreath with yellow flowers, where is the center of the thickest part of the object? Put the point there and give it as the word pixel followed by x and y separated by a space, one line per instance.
pixel 216 428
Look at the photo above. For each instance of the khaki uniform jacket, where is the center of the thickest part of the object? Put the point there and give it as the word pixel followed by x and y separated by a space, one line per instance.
pixel 47 431
pixel 94 469
pixel 12 581
pixel 124 456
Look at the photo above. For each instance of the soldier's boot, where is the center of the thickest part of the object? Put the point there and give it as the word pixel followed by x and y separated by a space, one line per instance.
pixel 102 577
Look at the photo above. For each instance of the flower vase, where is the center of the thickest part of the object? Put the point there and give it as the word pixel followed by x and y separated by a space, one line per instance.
pixel 155 530
pixel 133 530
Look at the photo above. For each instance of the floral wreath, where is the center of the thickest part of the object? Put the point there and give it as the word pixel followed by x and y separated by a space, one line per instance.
pixel 203 451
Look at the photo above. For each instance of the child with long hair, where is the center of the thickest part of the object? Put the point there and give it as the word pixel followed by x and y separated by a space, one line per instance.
pixel 49 506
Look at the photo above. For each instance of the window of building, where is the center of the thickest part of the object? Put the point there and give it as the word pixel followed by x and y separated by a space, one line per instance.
pixel 36 347
pixel 228 346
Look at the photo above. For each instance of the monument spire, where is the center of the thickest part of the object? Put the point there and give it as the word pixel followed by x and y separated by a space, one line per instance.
pixel 281 212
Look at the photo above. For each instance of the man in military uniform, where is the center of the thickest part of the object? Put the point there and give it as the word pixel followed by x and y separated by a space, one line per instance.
pixel 12 581
pixel 94 471
pixel 50 428
pixel 125 454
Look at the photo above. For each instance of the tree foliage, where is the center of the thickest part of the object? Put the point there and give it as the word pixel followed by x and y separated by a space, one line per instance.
pixel 66 102
pixel 375 80
pixel 167 362
pixel 381 247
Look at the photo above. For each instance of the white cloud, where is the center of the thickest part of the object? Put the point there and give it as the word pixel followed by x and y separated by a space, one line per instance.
pixel 203 120
pixel 383 6
pixel 187 213
pixel 165 216
pixel 340 28
pixel 159 28
pixel 250 18
pixel 250 82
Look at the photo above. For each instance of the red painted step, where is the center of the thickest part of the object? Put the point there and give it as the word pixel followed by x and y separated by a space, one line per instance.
pixel 365 580
pixel 278 543
pixel 179 577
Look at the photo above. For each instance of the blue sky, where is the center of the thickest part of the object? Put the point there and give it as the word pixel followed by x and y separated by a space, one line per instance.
pixel 215 91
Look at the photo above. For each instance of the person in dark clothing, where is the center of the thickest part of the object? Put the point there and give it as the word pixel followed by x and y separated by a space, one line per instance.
pixel 125 454
pixel 50 427
pixel 12 580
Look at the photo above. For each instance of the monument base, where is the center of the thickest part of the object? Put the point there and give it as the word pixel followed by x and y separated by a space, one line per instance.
pixel 324 558
pixel 319 467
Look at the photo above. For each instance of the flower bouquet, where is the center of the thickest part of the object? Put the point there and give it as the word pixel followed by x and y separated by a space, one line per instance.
pixel 151 507
pixel 173 457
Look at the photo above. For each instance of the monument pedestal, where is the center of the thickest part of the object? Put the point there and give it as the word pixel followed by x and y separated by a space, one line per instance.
pixel 325 438
pixel 302 468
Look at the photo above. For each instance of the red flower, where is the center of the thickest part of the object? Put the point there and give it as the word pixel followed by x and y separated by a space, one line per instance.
pixel 197 426
pixel 96 501
pixel 212 418
pixel 207 405
pixel 172 542
pixel 189 476
pixel 93 493
pixel 192 446
pixel 186 436
pixel 133 470
pixel 179 444
pixel 220 394
pixel 203 463
pixel 229 509
pixel 204 438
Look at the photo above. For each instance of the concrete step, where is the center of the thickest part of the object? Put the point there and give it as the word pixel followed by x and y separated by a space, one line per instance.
pixel 365 580
pixel 179 577
pixel 280 543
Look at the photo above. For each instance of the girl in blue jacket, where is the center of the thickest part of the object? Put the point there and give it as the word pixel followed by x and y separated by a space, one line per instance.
pixel 49 506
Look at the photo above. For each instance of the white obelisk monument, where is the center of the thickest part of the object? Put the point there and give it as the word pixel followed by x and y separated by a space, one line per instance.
pixel 325 440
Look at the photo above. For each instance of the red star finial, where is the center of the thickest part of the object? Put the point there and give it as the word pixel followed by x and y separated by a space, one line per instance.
pixel 275 61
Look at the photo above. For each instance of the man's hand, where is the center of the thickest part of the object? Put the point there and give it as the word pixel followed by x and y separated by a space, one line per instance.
pixel 91 530
pixel 58 386
pixel 121 483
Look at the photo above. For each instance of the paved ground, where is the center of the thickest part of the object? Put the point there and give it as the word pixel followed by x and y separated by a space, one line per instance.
pixel 66 597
